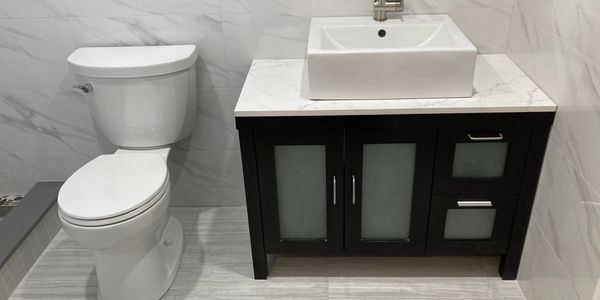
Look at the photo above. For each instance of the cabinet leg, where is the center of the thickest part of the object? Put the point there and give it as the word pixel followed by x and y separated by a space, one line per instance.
pixel 261 267
pixel 259 256
pixel 509 267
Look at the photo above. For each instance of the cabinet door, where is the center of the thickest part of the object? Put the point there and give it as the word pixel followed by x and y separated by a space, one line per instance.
pixel 478 225
pixel 388 184
pixel 301 187
pixel 486 157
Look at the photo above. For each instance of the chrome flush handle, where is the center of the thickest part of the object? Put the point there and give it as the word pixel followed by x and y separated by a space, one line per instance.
pixel 86 88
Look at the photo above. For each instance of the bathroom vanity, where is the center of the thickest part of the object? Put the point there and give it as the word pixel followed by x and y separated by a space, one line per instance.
pixel 406 177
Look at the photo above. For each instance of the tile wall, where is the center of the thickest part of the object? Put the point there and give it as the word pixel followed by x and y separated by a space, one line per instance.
pixel 557 43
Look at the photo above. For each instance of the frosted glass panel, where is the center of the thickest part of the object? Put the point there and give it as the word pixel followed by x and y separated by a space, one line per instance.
pixel 470 224
pixel 301 191
pixel 387 188
pixel 479 160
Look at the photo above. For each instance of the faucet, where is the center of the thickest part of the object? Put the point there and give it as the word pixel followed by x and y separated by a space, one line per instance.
pixel 382 7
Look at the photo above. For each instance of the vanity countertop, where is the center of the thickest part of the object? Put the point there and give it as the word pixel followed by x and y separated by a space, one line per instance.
pixel 275 87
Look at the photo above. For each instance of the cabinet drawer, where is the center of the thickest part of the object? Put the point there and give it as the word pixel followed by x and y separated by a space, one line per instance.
pixel 481 158
pixel 460 225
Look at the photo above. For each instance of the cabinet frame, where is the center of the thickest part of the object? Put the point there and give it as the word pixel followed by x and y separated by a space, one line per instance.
pixel 539 122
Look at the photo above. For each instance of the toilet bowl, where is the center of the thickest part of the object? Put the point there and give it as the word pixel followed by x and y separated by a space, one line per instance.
pixel 117 206
pixel 143 99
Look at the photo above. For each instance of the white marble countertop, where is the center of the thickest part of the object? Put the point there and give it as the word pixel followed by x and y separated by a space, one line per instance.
pixel 275 87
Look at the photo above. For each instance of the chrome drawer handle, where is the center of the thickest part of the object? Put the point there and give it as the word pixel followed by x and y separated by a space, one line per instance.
pixel 499 137
pixel 474 203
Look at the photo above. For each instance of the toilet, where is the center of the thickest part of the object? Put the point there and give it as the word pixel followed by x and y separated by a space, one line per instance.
pixel 143 99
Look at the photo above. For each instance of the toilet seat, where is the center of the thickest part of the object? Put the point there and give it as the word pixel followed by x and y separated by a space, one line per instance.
pixel 113 188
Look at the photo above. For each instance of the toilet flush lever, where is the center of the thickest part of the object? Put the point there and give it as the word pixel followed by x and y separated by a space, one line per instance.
pixel 86 88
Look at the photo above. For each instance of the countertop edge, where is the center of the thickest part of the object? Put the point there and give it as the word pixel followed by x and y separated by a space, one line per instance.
pixel 384 112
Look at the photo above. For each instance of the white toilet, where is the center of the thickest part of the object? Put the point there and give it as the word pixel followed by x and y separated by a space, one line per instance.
pixel 143 99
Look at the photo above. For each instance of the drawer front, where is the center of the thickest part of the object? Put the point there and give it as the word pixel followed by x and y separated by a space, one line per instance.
pixel 481 159
pixel 461 225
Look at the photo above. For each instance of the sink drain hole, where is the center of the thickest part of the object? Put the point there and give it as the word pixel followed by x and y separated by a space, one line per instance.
pixel 382 33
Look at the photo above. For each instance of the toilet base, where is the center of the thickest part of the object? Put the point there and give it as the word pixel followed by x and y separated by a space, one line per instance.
pixel 134 272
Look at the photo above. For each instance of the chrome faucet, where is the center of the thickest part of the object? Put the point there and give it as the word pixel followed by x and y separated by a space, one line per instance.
pixel 382 7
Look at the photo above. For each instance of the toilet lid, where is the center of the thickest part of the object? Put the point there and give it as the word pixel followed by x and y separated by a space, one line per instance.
pixel 113 185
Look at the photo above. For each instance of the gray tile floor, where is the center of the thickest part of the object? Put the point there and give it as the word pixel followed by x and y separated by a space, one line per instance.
pixel 217 264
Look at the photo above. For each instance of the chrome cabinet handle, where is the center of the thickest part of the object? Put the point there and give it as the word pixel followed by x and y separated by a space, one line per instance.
pixel 334 191
pixel 353 190
pixel 474 203
pixel 499 137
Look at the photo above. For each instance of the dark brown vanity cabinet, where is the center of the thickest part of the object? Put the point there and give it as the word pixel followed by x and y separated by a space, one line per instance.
pixel 406 185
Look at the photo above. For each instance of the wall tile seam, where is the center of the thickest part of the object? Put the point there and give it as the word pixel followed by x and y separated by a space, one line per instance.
pixel 254 13
pixel 271 13
pixel 67 17
pixel 215 14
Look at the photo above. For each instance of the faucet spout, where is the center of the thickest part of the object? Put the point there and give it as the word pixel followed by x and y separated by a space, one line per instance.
pixel 382 7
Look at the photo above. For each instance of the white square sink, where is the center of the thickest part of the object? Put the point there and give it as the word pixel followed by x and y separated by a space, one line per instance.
pixel 418 56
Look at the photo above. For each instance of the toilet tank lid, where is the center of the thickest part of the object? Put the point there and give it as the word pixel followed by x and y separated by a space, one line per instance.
pixel 133 61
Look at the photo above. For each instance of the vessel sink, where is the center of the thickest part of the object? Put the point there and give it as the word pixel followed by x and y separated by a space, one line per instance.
pixel 417 56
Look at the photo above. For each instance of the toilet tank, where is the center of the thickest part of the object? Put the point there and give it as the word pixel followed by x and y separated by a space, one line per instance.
pixel 140 97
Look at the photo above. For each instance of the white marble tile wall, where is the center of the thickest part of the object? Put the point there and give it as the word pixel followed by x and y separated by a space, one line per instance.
pixel 46 130
pixel 556 43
